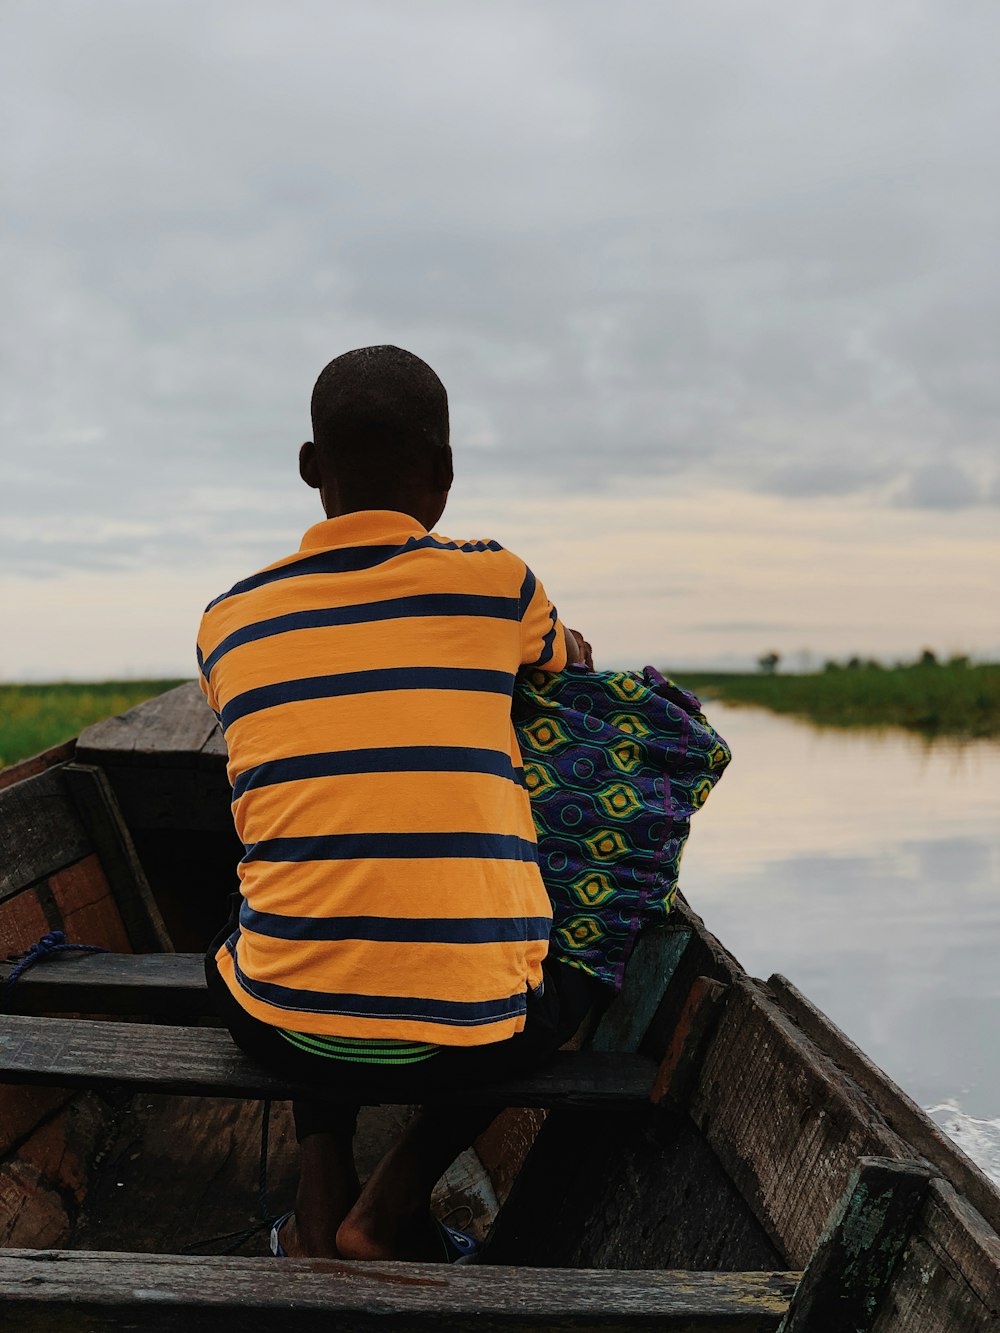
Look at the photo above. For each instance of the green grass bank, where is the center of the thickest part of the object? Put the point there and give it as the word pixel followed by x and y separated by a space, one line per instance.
pixel 35 717
pixel 953 699
pixel 948 700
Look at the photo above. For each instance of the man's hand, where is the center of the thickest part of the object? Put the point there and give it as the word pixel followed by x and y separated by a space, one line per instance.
pixel 578 649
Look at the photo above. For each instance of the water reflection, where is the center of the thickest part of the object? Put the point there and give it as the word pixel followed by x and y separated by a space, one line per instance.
pixel 866 867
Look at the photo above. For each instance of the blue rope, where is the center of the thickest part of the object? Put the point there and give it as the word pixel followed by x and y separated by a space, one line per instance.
pixel 52 943
pixel 265 1133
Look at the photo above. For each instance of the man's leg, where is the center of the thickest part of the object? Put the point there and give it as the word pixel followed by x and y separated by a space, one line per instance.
pixel 328 1181
pixel 392 1219
pixel 392 1216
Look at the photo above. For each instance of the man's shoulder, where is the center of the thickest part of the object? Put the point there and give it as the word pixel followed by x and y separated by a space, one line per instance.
pixel 488 546
pixel 483 557
pixel 466 545
pixel 258 578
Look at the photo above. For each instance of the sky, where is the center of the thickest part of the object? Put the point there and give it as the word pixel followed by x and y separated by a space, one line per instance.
pixel 713 287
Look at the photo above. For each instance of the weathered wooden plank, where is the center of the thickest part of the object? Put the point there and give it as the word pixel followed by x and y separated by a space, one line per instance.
pixel 61 1290
pixel 848 1277
pixel 703 957
pixel 627 1189
pixel 786 1124
pixel 899 1111
pixel 170 730
pixel 173 798
pixel 205 1062
pixel 653 963
pixel 169 984
pixel 679 1208
pixel 40 831
pixel 949 1280
pixel 214 753
pixel 695 1028
pixel 36 763
pixel 99 811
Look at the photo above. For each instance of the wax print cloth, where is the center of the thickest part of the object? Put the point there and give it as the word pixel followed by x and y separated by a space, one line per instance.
pixel 616 763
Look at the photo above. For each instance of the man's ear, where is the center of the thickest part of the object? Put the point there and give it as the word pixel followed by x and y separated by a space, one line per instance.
pixel 444 470
pixel 309 465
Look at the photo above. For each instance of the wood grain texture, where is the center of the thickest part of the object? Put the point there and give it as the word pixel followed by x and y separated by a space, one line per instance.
pixel 627 1189
pixel 205 1062
pixel 949 1280
pixel 170 730
pixel 214 754
pixel 899 1111
pixel 61 1290
pixel 654 960
pixel 85 907
pixel 636 1190
pixel 848 1277
pixel 40 831
pixel 97 807
pixel 37 763
pixel 197 1157
pixel 703 957
pixel 170 984
pixel 695 1028
pixel 787 1125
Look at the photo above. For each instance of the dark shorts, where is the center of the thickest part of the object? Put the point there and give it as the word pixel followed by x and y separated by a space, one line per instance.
pixel 553 1015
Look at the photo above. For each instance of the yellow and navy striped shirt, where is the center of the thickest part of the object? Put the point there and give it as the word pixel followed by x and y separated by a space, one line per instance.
pixel 390 884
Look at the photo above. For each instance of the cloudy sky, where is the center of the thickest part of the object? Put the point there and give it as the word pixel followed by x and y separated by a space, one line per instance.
pixel 714 287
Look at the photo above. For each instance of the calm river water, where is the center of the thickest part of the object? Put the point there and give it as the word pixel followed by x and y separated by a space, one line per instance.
pixel 865 866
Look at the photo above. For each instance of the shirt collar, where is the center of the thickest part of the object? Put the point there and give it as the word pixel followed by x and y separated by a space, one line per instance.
pixel 365 527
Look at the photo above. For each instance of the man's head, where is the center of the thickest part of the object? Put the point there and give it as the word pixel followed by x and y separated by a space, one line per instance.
pixel 380 435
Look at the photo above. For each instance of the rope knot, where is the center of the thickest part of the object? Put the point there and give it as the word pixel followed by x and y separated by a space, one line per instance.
pixel 52 942
pixel 54 939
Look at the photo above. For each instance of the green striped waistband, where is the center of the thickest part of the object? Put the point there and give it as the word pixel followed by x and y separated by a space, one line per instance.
pixel 361 1050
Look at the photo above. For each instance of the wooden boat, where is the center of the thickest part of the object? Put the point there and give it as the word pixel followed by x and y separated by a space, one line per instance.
pixel 715 1156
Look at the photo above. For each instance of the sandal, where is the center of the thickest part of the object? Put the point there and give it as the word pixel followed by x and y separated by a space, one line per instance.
pixel 459 1247
pixel 277 1249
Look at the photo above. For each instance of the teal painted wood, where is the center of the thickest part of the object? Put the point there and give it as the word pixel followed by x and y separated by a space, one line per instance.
pixel 851 1271
pixel 650 971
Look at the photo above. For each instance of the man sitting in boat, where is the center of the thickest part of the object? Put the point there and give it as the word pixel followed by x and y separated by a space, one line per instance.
pixel 393 932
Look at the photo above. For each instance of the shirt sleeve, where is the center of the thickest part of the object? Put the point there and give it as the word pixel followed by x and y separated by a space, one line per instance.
pixel 543 638
pixel 205 682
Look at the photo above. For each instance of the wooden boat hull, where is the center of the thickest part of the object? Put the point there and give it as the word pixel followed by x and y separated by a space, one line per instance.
pixel 760 1115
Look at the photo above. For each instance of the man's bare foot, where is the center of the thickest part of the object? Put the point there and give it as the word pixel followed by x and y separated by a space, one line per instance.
pixel 369 1233
pixel 328 1189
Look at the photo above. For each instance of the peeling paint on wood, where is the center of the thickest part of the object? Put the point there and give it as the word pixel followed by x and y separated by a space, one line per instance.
pixel 848 1277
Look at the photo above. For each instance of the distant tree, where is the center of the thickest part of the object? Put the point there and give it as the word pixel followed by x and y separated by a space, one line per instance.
pixel 853 663
pixel 960 660
pixel 928 658
pixel 830 665
pixel 768 662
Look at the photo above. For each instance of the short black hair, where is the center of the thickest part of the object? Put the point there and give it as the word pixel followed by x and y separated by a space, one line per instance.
pixel 379 408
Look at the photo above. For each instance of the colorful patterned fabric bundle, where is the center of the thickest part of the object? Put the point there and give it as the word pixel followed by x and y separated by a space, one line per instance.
pixel 615 763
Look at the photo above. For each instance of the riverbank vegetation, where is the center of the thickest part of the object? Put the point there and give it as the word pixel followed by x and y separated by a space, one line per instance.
pixel 954 698
pixel 35 717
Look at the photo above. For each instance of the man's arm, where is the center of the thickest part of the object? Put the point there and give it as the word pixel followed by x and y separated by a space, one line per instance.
pixel 545 642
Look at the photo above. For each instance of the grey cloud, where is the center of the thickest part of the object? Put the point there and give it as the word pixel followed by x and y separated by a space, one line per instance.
pixel 729 244
pixel 939 486
pixel 824 476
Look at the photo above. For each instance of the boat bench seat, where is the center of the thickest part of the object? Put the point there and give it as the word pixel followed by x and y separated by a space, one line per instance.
pixel 67 1290
pixel 199 1060
pixel 204 1061
pixel 170 986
